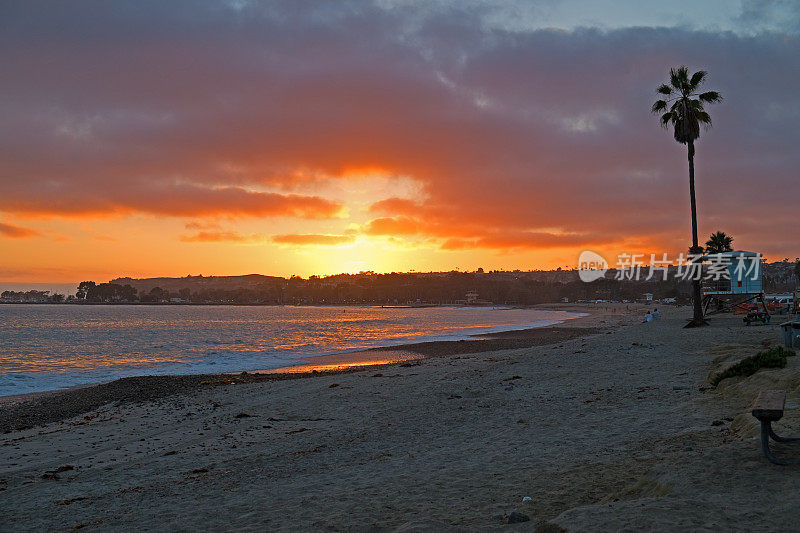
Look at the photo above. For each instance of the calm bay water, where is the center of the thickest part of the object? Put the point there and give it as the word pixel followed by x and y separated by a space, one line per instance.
pixel 46 347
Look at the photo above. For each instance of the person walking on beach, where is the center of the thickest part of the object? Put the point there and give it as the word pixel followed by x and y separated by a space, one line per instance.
pixel 656 314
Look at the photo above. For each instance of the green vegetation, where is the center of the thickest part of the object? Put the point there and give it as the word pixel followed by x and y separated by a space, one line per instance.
pixel 772 358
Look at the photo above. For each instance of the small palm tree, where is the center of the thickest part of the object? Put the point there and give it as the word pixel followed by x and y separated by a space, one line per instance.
pixel 681 107
pixel 719 242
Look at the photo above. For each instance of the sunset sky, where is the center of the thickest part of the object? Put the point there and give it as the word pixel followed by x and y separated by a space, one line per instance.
pixel 156 138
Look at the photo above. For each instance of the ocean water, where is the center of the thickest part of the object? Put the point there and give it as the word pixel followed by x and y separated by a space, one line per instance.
pixel 48 347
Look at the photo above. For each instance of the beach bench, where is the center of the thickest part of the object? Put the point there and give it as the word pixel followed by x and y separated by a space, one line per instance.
pixel 768 408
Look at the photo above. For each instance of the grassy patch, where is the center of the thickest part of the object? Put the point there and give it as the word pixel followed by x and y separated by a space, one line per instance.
pixel 772 358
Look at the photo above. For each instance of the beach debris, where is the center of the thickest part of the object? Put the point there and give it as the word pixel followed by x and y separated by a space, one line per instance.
pixel 332 385
pixel 512 377
pixel 717 422
pixel 53 474
pixel 198 471
pixel 378 375
pixel 522 421
pixel 526 499
pixel 243 415
pixel 71 500
pixel 171 452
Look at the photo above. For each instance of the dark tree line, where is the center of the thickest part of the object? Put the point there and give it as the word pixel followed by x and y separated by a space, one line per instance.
pixel 501 288
pixel 106 292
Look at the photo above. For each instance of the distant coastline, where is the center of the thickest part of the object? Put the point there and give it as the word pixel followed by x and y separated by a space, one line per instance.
pixel 416 289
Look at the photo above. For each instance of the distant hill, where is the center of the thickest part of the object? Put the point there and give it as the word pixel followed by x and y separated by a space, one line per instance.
pixel 200 283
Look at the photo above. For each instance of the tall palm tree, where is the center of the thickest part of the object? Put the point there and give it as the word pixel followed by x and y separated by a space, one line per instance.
pixel 681 106
pixel 719 242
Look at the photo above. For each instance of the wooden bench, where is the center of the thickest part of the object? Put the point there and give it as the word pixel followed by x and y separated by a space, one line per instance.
pixel 768 408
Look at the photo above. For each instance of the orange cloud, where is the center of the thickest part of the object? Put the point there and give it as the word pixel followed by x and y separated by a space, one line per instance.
pixel 168 199
pixel 523 240
pixel 202 225
pixel 400 206
pixel 221 236
pixel 314 239
pixel 393 226
pixel 17 232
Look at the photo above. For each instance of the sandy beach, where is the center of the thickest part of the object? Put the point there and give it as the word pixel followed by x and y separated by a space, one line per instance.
pixel 604 423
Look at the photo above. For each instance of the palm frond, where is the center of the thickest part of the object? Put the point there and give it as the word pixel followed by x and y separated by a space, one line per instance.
pixel 712 97
pixel 658 106
pixel 697 79
pixel 696 105
pixel 683 110
pixel 674 78
pixel 719 242
pixel 679 77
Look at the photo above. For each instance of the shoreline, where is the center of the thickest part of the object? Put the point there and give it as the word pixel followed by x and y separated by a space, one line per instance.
pixel 396 353
pixel 46 380
pixel 29 410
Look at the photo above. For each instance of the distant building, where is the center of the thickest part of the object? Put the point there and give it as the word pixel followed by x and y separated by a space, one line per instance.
pixel 471 297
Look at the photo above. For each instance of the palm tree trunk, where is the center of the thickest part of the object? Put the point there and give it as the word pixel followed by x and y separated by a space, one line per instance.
pixel 697 296
pixel 691 194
